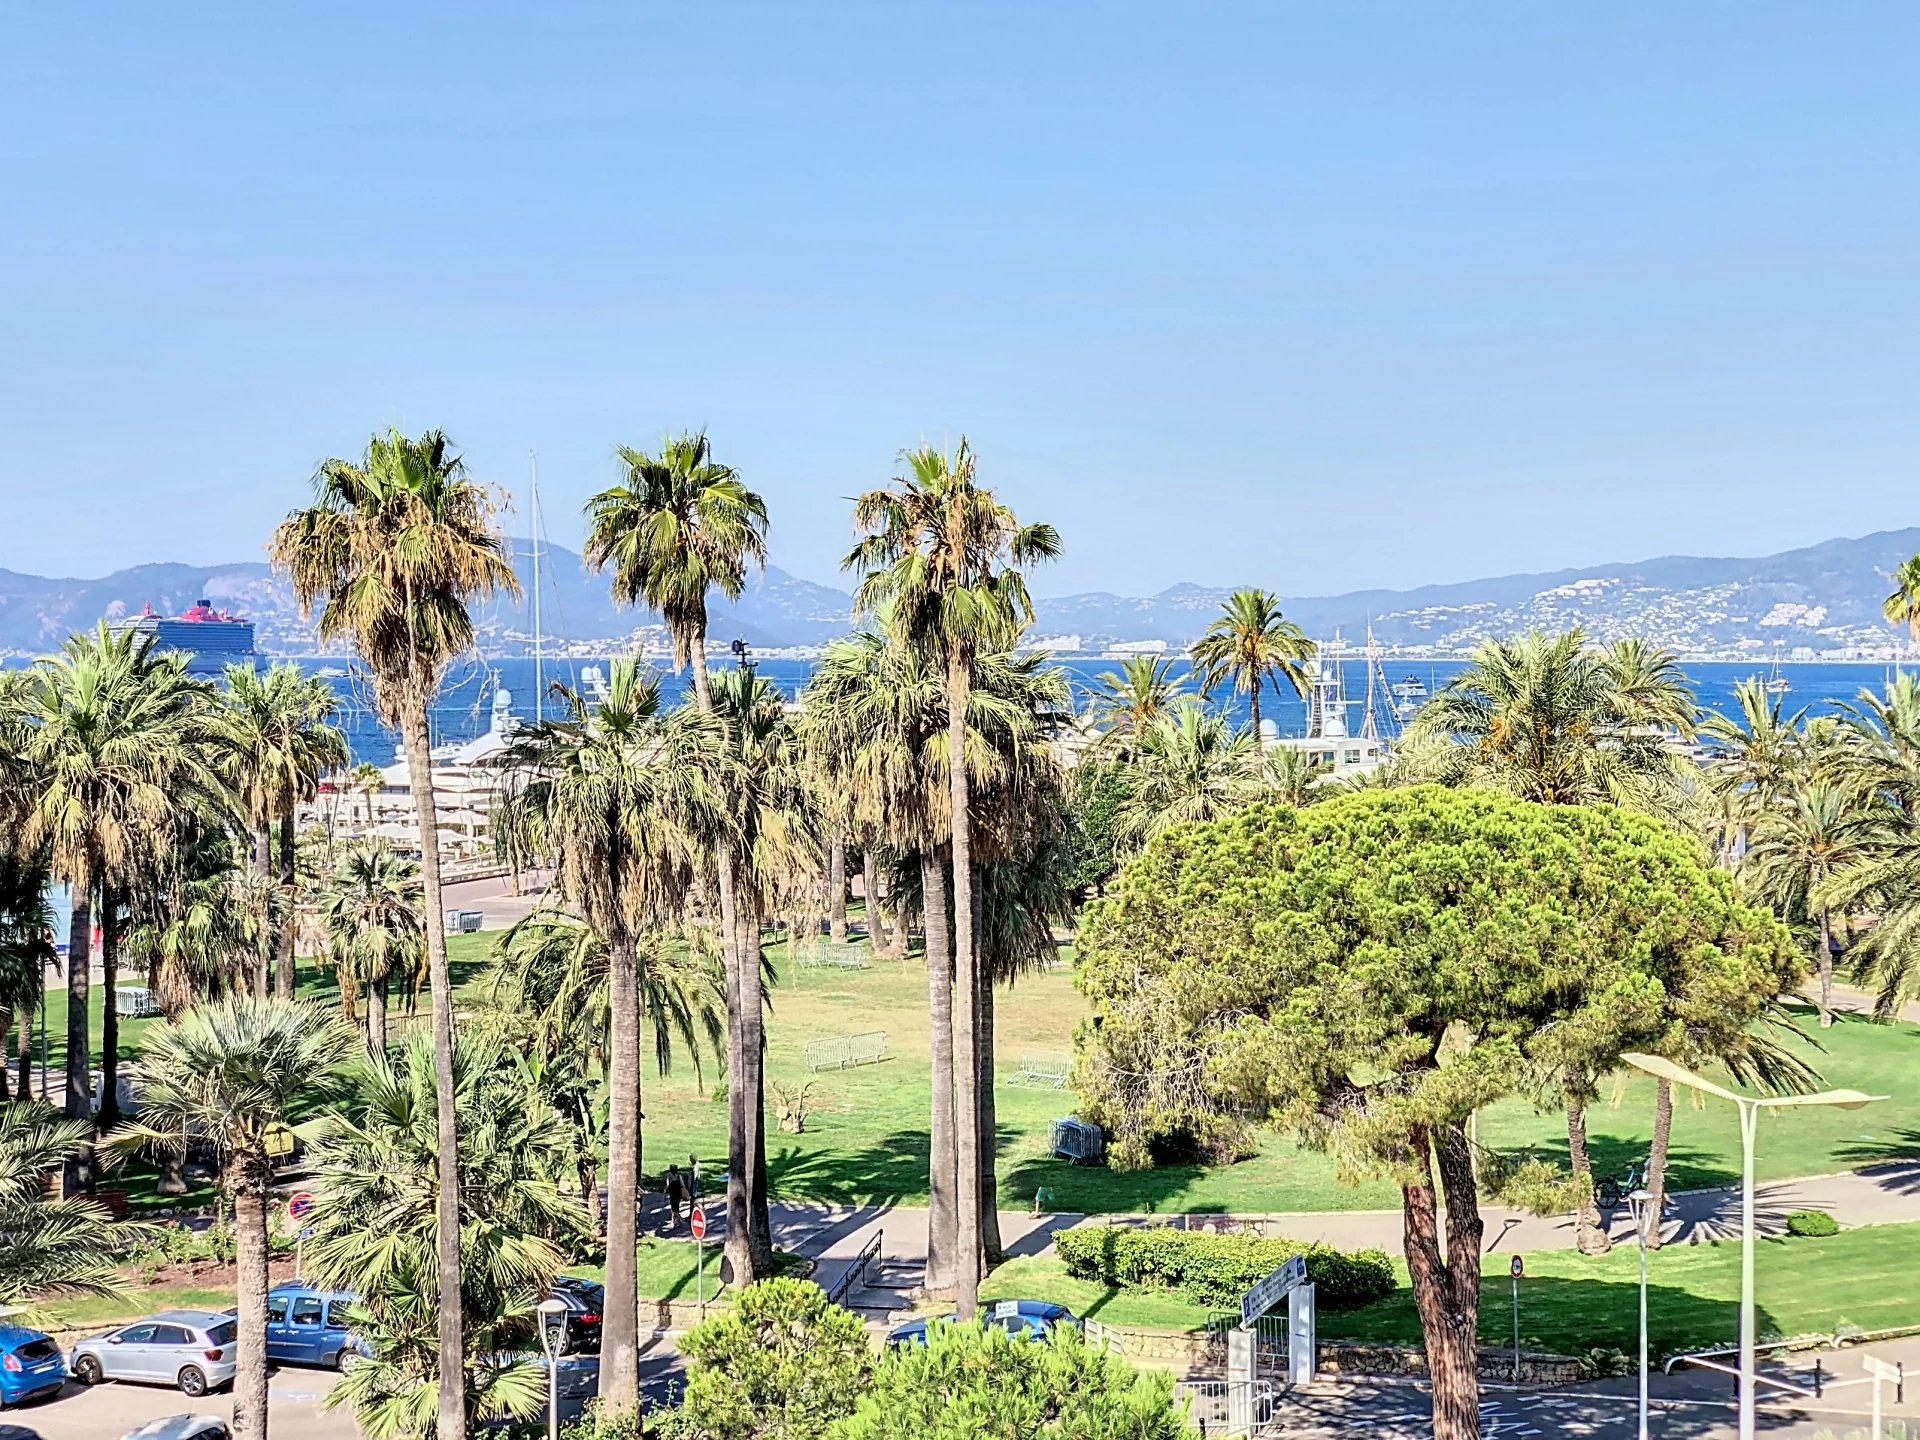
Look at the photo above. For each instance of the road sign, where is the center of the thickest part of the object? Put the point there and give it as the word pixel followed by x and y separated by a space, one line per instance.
pixel 698 1222
pixel 301 1205
pixel 1272 1290
pixel 1880 1369
pixel 1517 1268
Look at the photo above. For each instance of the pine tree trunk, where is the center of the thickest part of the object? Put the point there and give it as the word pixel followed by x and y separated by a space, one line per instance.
pixel 1446 1289
pixel 284 978
pixel 451 1419
pixel 1589 1230
pixel 109 1114
pixel 79 1106
pixel 1656 1180
pixel 966 992
pixel 250 1275
pixel 943 1161
pixel 1826 970
pixel 991 1248
pixel 620 1332
pixel 877 939
pixel 837 887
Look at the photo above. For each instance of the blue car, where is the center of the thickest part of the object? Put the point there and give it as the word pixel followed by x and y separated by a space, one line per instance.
pixel 307 1326
pixel 1034 1319
pixel 31 1365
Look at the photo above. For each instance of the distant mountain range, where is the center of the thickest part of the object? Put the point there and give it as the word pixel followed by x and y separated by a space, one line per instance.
pixel 1825 599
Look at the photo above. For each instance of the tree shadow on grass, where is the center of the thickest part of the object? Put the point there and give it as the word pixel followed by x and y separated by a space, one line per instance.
pixel 1892 1159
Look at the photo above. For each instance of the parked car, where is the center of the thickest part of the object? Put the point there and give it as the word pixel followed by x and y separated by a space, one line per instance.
pixel 586 1302
pixel 31 1365
pixel 307 1326
pixel 181 1427
pixel 1034 1319
pixel 193 1349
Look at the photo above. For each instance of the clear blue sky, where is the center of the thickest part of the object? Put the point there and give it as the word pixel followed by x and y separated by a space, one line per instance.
pixel 1313 296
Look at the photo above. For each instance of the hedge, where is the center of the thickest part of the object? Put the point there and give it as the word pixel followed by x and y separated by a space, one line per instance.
pixel 1812 1224
pixel 1216 1270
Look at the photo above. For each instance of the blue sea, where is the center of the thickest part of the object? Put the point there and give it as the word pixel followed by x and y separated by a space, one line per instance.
pixel 466 701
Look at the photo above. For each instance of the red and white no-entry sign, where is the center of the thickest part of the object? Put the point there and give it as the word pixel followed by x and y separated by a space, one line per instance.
pixel 697 1222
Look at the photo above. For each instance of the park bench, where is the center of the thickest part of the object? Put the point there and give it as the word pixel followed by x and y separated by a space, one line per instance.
pixel 1040 1071
pixel 842 1052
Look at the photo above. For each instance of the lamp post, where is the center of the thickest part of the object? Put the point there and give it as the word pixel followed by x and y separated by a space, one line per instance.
pixel 1750 1106
pixel 553 1328
pixel 1642 1203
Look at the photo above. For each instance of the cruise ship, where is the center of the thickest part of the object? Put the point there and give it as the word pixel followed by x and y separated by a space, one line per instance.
pixel 211 639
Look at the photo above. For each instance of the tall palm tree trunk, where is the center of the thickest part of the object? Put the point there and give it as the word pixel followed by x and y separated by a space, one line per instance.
pixel 377 1015
pixel 1826 969
pixel 451 1422
pixel 1590 1234
pixel 283 977
pixel 1656 1178
pixel 943 1160
pixel 837 887
pixel 109 1115
pixel 1256 709
pixel 877 939
pixel 991 1248
pixel 966 989
pixel 262 978
pixel 250 1277
pixel 79 1106
pixel 753 1044
pixel 620 1344
pixel 24 1057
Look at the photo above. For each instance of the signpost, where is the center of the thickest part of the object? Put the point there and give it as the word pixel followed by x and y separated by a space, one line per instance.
pixel 1516 1270
pixel 1880 1370
pixel 300 1209
pixel 1272 1290
pixel 697 1222
pixel 1288 1283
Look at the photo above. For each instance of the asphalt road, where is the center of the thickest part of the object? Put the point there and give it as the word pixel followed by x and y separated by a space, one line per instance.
pixel 107 1412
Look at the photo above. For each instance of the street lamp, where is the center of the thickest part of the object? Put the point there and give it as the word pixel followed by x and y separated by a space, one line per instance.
pixel 553 1328
pixel 1750 1106
pixel 1642 1203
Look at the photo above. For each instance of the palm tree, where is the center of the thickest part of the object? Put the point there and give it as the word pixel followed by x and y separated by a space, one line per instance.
pixel 1545 719
pixel 394 550
pixel 1292 776
pixel 199 927
pixel 1190 765
pixel 237 1073
pixel 366 780
pixel 617 795
pixel 1902 607
pixel 944 553
pixel 26 951
pixel 49 1247
pixel 278 742
pixel 677 527
pixel 118 749
pixel 1753 756
pixel 1800 847
pixel 1250 645
pixel 370 908
pixel 377 1176
pixel 1123 701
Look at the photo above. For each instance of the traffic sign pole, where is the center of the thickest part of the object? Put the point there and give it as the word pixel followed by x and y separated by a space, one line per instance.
pixel 697 1222
pixel 300 1208
pixel 1516 1270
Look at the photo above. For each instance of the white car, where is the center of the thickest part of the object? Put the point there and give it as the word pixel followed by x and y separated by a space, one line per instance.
pixel 181 1427
pixel 191 1349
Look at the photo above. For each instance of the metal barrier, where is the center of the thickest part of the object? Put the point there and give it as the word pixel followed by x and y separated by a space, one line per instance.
pixel 855 1275
pixel 1269 1337
pixel 842 1052
pixel 1227 1407
pixel 1040 1071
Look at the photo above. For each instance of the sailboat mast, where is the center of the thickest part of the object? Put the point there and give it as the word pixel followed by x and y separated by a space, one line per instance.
pixel 539 679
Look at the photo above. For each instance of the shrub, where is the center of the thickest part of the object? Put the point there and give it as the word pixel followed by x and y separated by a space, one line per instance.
pixel 1218 1269
pixel 969 1381
pixel 782 1361
pixel 1812 1224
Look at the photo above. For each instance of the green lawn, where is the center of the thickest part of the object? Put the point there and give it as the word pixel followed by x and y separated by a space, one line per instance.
pixel 866 1138
pixel 1569 1302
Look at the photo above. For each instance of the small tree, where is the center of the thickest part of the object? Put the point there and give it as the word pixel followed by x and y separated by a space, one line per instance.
pixel 783 1362
pixel 1369 972
pixel 969 1381
pixel 235 1072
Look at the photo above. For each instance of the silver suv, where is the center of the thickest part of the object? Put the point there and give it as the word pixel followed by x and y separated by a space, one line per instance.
pixel 193 1349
